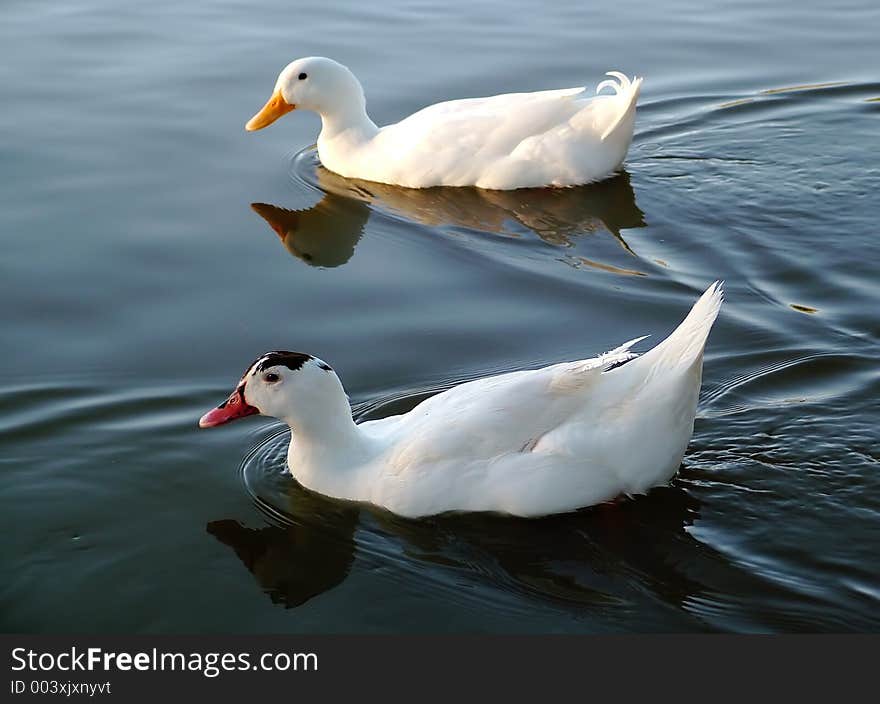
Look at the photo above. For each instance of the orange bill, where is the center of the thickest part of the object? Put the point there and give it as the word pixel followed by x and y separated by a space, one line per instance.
pixel 272 110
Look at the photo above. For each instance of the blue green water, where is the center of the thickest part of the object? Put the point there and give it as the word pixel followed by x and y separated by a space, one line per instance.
pixel 137 281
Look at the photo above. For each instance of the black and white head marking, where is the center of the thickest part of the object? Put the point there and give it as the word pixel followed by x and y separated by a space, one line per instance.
pixel 283 358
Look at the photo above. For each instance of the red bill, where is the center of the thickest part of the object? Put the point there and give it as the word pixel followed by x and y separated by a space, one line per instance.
pixel 231 409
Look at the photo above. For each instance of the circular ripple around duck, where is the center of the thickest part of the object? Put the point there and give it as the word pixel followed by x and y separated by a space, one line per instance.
pixel 303 166
pixel 265 476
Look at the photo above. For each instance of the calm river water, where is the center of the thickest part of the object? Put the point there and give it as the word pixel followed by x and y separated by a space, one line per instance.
pixel 137 280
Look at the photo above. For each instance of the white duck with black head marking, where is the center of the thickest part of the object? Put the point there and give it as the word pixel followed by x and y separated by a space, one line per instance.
pixel 527 443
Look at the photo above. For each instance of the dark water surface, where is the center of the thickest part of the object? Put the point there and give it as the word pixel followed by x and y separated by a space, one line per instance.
pixel 137 281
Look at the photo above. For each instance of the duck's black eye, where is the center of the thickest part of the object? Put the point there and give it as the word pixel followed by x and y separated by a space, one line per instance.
pixel 302 76
pixel 270 378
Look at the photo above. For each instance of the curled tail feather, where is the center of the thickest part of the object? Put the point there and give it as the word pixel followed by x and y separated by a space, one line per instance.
pixel 625 87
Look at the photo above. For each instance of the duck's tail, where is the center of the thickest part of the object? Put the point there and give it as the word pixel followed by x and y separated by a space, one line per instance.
pixel 684 346
pixel 628 92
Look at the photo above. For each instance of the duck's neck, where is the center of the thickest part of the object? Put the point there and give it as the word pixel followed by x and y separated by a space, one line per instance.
pixel 349 122
pixel 326 445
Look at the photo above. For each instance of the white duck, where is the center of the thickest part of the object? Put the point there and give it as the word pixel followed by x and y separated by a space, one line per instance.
pixel 517 140
pixel 527 443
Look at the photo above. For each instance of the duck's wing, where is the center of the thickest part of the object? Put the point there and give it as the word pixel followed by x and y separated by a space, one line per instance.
pixel 454 142
pixel 553 439
pixel 557 105
pixel 555 137
pixel 493 124
pixel 494 106
pixel 557 408
pixel 494 416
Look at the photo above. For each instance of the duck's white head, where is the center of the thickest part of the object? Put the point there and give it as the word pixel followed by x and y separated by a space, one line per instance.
pixel 294 387
pixel 313 83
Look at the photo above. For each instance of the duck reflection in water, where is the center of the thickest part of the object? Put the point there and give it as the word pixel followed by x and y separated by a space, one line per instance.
pixel 600 563
pixel 582 558
pixel 309 553
pixel 326 234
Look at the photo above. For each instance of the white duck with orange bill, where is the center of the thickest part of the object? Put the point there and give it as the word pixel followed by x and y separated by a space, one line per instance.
pixel 516 140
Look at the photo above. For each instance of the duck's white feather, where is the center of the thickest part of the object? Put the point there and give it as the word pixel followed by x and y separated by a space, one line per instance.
pixel 530 442
pixel 516 140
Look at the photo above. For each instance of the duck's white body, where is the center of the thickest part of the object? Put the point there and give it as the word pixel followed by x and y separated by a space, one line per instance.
pixel 527 443
pixel 517 140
